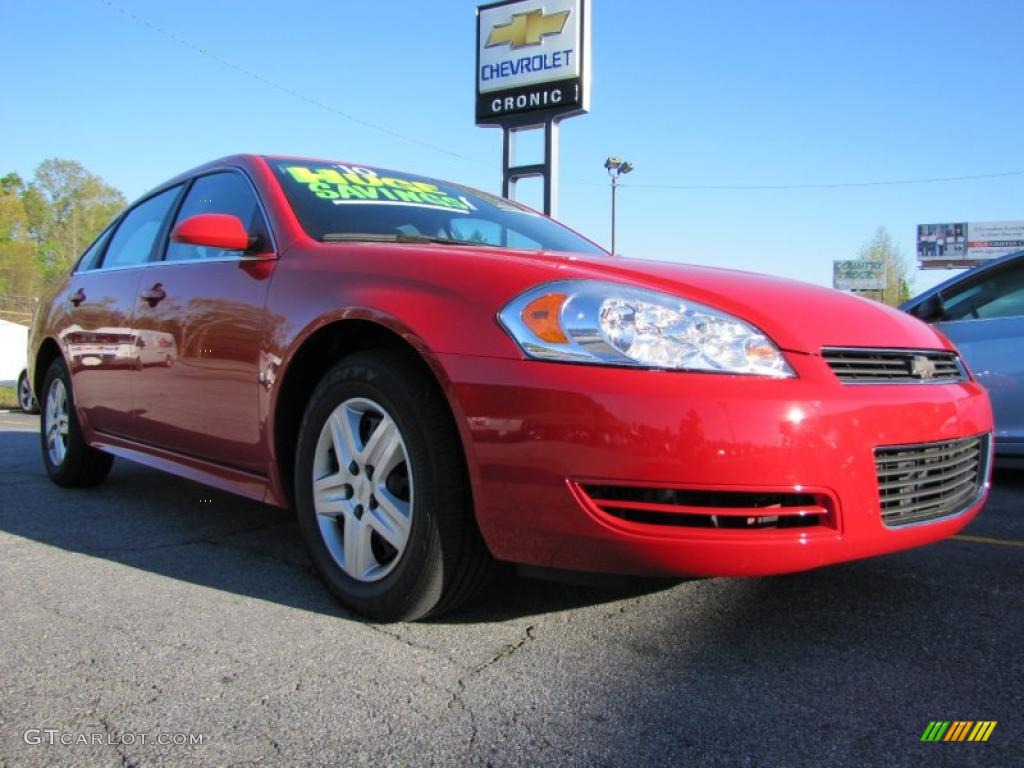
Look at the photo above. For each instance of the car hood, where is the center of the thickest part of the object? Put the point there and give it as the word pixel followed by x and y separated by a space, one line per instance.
pixel 797 316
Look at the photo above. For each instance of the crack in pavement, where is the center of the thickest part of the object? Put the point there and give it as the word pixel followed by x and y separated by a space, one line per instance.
pixel 305 567
pixel 136 632
pixel 114 740
pixel 406 641
pixel 507 650
pixel 209 539
pixel 457 701
pixel 216 540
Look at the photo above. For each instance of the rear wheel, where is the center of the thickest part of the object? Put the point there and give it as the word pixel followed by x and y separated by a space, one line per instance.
pixel 381 492
pixel 26 398
pixel 69 460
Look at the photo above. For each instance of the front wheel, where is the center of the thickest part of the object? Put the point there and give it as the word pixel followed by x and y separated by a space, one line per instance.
pixel 26 398
pixel 69 460
pixel 381 492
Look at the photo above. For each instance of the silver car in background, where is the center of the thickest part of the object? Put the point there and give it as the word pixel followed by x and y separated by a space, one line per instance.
pixel 982 312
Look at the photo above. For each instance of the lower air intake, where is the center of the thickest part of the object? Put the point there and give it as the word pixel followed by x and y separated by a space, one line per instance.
pixel 730 510
pixel 917 483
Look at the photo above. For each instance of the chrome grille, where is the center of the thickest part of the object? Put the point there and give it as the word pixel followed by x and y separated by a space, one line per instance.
pixel 925 482
pixel 887 366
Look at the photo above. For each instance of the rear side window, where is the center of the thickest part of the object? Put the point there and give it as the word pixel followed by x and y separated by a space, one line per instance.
pixel 135 239
pixel 224 192
pixel 998 295
pixel 91 258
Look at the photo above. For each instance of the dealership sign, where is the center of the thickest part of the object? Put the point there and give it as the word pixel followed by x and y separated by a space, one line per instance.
pixel 859 275
pixel 967 244
pixel 532 57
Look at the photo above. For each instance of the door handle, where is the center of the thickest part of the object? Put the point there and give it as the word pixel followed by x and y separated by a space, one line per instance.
pixel 154 295
pixel 77 297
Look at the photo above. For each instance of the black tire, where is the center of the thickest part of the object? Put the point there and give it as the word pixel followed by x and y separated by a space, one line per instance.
pixel 26 397
pixel 81 465
pixel 445 562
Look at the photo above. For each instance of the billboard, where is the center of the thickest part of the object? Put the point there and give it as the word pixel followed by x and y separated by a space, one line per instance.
pixel 967 244
pixel 532 56
pixel 858 275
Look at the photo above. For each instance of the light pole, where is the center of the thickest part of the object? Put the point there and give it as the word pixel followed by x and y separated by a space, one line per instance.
pixel 616 168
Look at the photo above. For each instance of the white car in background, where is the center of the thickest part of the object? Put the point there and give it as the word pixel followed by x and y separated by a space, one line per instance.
pixel 26 398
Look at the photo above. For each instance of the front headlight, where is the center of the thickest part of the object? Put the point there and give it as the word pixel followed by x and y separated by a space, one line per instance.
pixel 589 321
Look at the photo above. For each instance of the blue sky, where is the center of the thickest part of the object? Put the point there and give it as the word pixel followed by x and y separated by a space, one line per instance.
pixel 723 93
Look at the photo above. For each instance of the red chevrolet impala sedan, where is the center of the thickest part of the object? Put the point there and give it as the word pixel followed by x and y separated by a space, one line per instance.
pixel 435 378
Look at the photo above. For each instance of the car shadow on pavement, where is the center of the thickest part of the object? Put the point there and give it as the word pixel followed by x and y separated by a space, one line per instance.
pixel 167 525
pixel 858 657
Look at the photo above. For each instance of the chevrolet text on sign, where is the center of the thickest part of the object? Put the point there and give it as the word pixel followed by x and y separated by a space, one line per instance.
pixel 531 57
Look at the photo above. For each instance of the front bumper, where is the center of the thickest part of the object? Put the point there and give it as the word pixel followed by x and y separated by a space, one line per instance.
pixel 535 432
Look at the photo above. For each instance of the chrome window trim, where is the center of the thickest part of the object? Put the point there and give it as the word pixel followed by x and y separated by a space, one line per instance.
pixel 149 264
pixel 964 375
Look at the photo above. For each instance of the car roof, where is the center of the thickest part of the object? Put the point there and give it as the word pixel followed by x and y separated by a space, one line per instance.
pixel 229 160
pixel 244 160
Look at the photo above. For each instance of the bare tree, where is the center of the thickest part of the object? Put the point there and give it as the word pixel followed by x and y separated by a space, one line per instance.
pixel 899 279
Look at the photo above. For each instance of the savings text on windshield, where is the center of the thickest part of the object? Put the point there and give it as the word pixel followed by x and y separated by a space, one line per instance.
pixel 345 184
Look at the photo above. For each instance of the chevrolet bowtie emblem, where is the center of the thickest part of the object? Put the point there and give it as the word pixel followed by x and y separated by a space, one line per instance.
pixel 527 28
pixel 922 367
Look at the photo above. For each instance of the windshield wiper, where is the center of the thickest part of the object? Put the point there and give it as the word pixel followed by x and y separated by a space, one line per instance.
pixel 387 237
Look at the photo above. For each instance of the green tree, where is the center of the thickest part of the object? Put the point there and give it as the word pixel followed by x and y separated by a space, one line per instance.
pixel 899 280
pixel 67 206
pixel 44 226
pixel 20 280
pixel 12 182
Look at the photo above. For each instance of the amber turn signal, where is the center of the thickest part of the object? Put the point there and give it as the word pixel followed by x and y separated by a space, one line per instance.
pixel 541 317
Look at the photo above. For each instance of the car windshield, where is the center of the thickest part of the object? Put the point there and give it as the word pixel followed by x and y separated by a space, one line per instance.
pixel 345 203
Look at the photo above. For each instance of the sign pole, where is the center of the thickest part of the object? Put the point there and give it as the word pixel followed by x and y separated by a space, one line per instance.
pixel 547 170
pixel 615 184
pixel 551 167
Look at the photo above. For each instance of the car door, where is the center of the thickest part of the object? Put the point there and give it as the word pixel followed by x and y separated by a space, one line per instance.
pixel 199 314
pixel 98 332
pixel 985 320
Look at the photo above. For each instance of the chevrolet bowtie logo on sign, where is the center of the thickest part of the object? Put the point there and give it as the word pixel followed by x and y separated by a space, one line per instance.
pixel 531 57
pixel 958 730
pixel 527 28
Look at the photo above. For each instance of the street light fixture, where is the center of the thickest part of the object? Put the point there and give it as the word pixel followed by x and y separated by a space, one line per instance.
pixel 616 168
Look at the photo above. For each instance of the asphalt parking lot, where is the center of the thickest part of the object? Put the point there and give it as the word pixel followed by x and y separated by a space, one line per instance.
pixel 152 609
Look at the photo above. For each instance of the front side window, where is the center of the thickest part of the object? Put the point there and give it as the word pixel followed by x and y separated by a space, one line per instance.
pixel 223 192
pixel 337 202
pixel 135 240
pixel 998 295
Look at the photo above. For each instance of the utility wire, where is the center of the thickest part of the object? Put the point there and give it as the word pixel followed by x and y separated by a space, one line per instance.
pixel 829 185
pixel 451 153
pixel 285 89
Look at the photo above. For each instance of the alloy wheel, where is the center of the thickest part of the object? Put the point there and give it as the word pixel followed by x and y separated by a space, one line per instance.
pixel 362 489
pixel 56 423
pixel 25 397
